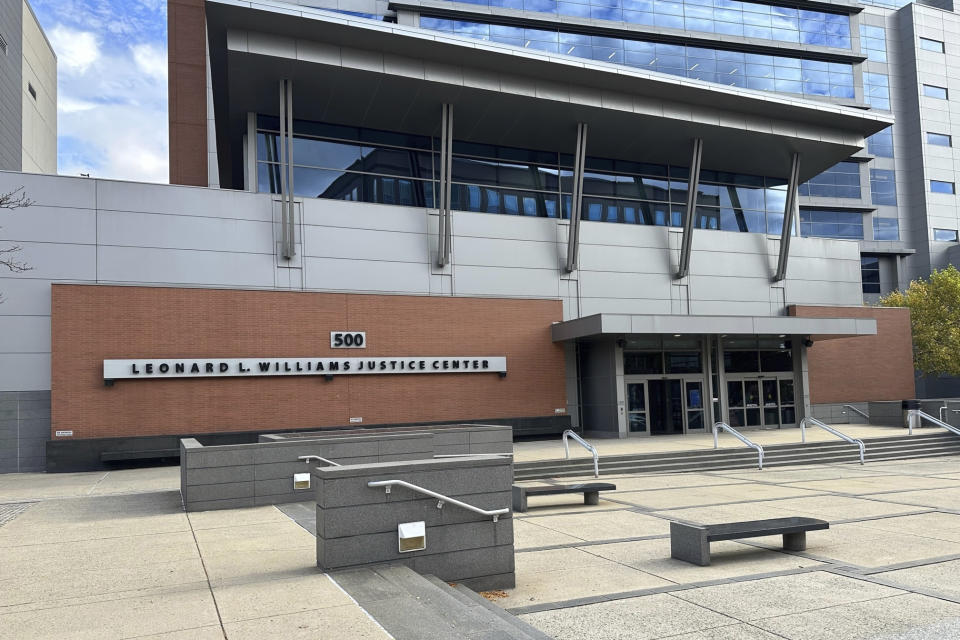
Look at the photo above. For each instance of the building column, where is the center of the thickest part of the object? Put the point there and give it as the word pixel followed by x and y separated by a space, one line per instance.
pixel 789 214
pixel 288 248
pixel 445 236
pixel 693 185
pixel 573 240
pixel 801 379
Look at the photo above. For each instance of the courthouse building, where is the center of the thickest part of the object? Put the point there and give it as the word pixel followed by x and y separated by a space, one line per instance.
pixel 630 217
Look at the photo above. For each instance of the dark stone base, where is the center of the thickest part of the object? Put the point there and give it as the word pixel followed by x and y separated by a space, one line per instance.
pixel 68 456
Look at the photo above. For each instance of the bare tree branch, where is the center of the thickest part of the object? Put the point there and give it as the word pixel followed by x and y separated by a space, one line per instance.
pixel 15 199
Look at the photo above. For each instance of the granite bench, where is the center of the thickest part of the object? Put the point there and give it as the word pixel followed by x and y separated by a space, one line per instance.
pixel 691 542
pixel 590 490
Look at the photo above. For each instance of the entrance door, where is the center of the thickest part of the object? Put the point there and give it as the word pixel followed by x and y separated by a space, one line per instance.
pixel 637 407
pixel 761 402
pixel 666 406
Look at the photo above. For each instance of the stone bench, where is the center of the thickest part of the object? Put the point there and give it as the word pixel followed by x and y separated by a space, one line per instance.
pixel 691 542
pixel 590 490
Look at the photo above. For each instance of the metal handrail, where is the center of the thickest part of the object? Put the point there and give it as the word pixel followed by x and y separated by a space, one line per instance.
pixel 855 410
pixel 441 499
pixel 473 455
pixel 916 414
pixel 307 459
pixel 828 429
pixel 569 433
pixel 946 408
pixel 739 436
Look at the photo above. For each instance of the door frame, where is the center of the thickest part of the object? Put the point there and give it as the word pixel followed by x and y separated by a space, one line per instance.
pixel 759 379
pixel 683 378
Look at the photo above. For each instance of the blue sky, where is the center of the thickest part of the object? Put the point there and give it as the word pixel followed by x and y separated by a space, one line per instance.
pixel 112 87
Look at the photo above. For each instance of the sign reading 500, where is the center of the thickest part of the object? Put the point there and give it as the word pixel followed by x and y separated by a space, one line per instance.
pixel 348 339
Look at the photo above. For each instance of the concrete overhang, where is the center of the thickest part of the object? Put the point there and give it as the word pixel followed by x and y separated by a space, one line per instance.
pixel 616 324
pixel 367 73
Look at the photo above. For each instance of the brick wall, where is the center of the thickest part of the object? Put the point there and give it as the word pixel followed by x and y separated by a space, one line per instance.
pixel 865 368
pixel 91 323
pixel 187 87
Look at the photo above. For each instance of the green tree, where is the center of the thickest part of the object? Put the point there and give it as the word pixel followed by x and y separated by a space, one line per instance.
pixel 15 199
pixel 935 319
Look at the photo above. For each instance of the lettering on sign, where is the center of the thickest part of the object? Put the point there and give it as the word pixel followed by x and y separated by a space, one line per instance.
pixel 348 339
pixel 255 367
pixel 64 434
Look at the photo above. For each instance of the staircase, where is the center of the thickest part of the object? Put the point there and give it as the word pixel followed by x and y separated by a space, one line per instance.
pixel 894 448
pixel 415 607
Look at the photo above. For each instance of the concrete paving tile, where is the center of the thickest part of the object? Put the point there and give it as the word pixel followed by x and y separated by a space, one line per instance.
pixel 924 466
pixel 727 560
pixel 254 538
pixel 875 484
pixel 701 496
pixel 804 474
pixel 336 623
pixel 870 619
pixel 541 580
pixel 636 482
pixel 55 585
pixel 643 618
pixel 527 534
pixel 741 631
pixel 236 517
pixel 261 599
pixel 200 633
pixel 831 508
pixel 124 618
pixel 940 577
pixel 543 505
pixel 260 566
pixel 22 486
pixel 945 498
pixel 611 525
pixel 942 526
pixel 783 595
pixel 725 513
pixel 138 480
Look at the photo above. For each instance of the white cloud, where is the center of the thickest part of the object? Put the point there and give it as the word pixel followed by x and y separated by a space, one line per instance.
pixel 151 60
pixel 76 50
pixel 66 104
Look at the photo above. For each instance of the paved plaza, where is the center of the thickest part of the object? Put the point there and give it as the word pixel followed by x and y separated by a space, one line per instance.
pixel 113 555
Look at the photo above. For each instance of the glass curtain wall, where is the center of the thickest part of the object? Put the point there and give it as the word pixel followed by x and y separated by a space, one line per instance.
pixel 734 68
pixel 728 17
pixel 349 163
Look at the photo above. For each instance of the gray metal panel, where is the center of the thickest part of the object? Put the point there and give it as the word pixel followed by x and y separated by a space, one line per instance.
pixel 11 91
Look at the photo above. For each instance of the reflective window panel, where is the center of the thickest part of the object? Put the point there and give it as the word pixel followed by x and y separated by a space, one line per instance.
pixel 945 235
pixel 831 224
pixel 842 180
pixel 886 229
pixel 939 139
pixel 870 273
pixel 883 186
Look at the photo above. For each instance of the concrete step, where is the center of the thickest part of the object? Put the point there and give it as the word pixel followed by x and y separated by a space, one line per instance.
pixel 890 448
pixel 531 631
pixel 415 607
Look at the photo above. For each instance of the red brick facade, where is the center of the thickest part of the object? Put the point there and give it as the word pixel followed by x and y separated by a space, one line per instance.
pixel 187 91
pixel 91 323
pixel 866 368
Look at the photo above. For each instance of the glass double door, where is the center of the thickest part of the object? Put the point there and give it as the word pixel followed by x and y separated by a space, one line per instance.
pixel 766 402
pixel 658 406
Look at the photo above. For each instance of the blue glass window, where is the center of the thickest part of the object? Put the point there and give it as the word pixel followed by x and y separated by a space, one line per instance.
pixel 883 186
pixel 945 235
pixel 732 68
pixel 932 91
pixel 881 143
pixel 886 229
pixel 939 139
pixel 870 273
pixel 728 17
pixel 939 186
pixel 839 181
pixel 831 224
pixel 873 42
pixel 930 44
pixel 876 90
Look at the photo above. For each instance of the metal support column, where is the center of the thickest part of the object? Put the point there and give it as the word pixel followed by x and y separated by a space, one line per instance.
pixel 445 236
pixel 287 236
pixel 693 185
pixel 789 216
pixel 573 240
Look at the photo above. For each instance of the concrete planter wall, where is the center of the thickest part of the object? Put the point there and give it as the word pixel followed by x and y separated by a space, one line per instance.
pixel 357 524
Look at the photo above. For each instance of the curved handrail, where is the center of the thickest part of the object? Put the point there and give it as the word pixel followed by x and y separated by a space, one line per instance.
pixel 387 484
pixel 855 410
pixel 828 429
pixel 946 408
pixel 916 414
pixel 739 436
pixel 307 459
pixel 569 433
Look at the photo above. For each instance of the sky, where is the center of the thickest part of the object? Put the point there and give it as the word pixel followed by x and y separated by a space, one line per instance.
pixel 112 87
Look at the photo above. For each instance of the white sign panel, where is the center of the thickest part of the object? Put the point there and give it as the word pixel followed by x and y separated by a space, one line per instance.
pixel 348 339
pixel 254 367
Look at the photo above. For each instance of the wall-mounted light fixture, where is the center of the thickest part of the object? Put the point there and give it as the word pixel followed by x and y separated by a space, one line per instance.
pixel 301 481
pixel 328 377
pixel 502 374
pixel 412 536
